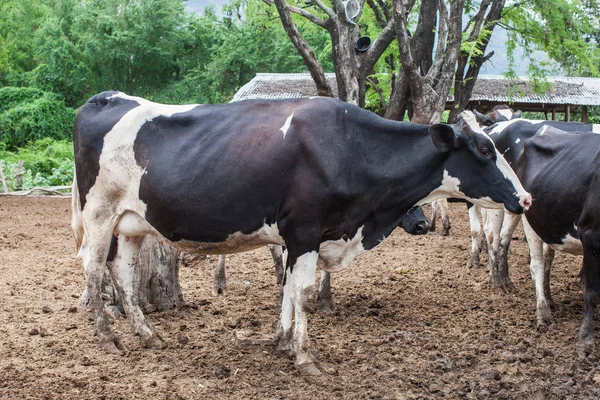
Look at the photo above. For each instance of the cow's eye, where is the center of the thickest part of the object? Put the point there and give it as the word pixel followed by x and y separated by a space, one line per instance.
pixel 487 152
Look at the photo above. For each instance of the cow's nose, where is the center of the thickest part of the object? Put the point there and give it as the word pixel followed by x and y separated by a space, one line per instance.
pixel 422 227
pixel 525 201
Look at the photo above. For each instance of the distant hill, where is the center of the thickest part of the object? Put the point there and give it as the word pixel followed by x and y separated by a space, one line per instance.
pixel 498 64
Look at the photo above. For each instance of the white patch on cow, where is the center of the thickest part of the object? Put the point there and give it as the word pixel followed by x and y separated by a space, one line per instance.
pixel 596 128
pixel 506 151
pixel 506 113
pixel 518 140
pixel 336 255
pixel 569 245
pixel 119 172
pixel 235 243
pixel 543 130
pixel 509 174
pixel 449 187
pixel 501 126
pixel 286 126
pixel 287 307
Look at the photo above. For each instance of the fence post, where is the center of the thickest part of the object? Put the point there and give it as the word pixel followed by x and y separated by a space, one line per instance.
pixel 19 176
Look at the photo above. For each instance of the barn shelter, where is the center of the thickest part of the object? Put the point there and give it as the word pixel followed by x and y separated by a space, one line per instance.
pixel 566 96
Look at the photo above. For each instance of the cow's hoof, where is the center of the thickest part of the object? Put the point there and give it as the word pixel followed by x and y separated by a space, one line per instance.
pixel 113 345
pixel 585 346
pixel 153 341
pixel 308 369
pixel 445 232
pixel 473 263
pixel 218 291
pixel 504 285
pixel 326 308
pixel 544 316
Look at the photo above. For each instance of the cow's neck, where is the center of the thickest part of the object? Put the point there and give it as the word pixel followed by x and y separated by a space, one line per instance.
pixel 409 170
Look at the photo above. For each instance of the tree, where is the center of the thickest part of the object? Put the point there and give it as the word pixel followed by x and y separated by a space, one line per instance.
pixel 351 67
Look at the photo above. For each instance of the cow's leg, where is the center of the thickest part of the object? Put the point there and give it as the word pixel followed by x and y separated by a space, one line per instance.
pixel 298 297
pixel 277 254
pixel 324 297
pixel 126 281
pixel 590 279
pixel 538 274
pixel 475 226
pixel 219 282
pixel 303 291
pixel 445 217
pixel 493 230
pixel 283 333
pixel 434 209
pixel 509 224
pixel 548 259
pixel 94 252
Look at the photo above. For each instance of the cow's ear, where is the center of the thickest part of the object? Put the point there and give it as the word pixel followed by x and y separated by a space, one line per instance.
pixel 443 137
pixel 483 119
pixel 516 114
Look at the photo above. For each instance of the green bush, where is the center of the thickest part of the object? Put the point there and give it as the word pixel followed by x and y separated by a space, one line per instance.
pixel 46 162
pixel 28 114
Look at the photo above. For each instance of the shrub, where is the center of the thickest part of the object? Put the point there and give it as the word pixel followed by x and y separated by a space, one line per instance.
pixel 46 162
pixel 29 114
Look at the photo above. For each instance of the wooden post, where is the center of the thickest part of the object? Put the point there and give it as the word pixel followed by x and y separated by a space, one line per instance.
pixel 584 115
pixel 3 180
pixel 568 113
pixel 19 176
pixel 553 114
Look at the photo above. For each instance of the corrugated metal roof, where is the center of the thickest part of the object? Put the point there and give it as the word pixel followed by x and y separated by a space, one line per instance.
pixel 494 88
pixel 281 86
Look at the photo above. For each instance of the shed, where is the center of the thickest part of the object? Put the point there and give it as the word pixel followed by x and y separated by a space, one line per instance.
pixel 566 94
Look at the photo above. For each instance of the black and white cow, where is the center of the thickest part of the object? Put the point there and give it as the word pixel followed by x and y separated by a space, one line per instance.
pixel 509 137
pixel 324 178
pixel 562 172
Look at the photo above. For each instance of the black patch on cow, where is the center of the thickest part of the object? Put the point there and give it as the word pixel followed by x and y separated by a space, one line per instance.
pixel 557 170
pixel 93 121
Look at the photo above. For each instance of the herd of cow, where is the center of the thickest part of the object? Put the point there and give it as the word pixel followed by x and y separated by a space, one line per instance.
pixel 321 182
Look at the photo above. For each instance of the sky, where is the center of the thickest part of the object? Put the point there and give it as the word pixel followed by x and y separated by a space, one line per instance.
pixel 498 64
pixel 198 5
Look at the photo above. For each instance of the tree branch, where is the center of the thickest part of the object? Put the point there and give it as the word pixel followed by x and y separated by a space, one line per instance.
pixel 312 18
pixel 325 9
pixel 381 43
pixel 306 52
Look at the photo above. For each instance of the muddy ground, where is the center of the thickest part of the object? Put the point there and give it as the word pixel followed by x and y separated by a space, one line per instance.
pixel 411 322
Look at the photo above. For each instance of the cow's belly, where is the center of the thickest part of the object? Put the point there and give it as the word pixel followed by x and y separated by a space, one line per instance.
pixel 235 243
pixel 337 255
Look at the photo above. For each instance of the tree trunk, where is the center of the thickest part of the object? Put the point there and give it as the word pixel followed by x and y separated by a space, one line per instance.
pixel 158 267
pixel 343 36
pixel 156 278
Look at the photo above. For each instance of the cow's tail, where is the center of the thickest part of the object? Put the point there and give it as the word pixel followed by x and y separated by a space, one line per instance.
pixel 76 218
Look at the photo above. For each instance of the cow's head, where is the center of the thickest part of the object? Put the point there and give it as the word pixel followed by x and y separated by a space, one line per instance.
pixel 499 113
pixel 474 170
pixel 415 222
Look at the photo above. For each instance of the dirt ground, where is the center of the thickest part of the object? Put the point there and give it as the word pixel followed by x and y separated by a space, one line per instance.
pixel 411 322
